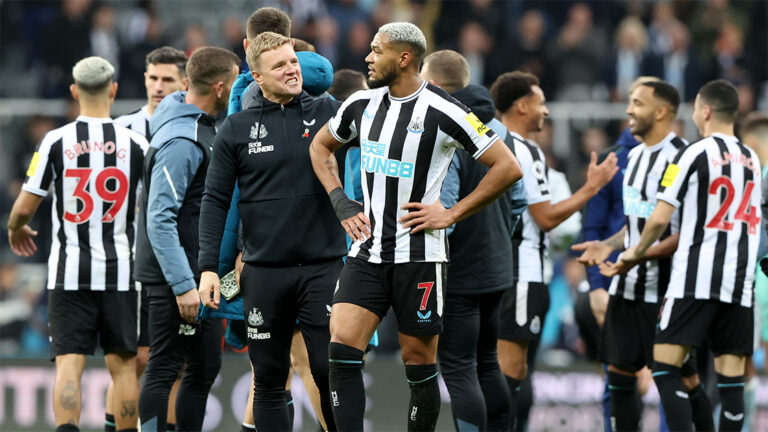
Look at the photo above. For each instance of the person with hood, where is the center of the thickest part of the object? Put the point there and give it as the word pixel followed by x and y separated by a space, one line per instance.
pixel 183 129
pixel 480 253
pixel 293 242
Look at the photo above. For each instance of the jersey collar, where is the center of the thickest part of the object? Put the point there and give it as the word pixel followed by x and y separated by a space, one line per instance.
pixel 410 96
pixel 94 119
pixel 670 136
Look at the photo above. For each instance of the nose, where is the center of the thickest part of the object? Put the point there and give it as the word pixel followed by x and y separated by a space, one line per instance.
pixel 546 111
pixel 369 57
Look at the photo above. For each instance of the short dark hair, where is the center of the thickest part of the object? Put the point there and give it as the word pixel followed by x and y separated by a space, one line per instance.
pixel 754 123
pixel 207 65
pixel 449 69
pixel 511 86
pixel 345 83
pixel 168 55
pixel 722 97
pixel 302 45
pixel 268 19
pixel 664 91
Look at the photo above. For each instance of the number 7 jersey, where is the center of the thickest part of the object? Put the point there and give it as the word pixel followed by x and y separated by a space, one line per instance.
pixel 95 167
pixel 715 183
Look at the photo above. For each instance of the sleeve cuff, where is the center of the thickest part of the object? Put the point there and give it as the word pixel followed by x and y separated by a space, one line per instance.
pixel 336 136
pixel 33 190
pixel 184 286
pixel 666 198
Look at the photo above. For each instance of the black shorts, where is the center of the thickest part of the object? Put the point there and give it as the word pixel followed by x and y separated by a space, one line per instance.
pixel 626 340
pixel 523 308
pixel 414 290
pixel 77 318
pixel 143 319
pixel 728 328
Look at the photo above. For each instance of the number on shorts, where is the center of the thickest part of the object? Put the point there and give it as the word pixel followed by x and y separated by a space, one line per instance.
pixel 427 287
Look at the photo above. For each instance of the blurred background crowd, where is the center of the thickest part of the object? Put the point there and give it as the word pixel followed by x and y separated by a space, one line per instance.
pixel 585 52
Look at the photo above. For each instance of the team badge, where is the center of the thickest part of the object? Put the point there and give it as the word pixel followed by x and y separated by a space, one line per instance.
pixel 258 131
pixel 254 318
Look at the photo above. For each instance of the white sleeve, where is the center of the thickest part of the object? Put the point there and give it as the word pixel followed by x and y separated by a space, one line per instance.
pixel 40 173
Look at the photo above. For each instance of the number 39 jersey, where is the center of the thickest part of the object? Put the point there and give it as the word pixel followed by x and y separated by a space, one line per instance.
pixel 96 168
pixel 715 183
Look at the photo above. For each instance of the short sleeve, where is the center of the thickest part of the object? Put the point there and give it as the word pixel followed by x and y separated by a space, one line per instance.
pixel 534 167
pixel 463 127
pixel 342 125
pixel 41 169
pixel 678 176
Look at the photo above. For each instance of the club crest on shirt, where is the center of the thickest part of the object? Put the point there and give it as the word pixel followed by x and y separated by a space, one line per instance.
pixel 254 318
pixel 416 126
pixel 258 131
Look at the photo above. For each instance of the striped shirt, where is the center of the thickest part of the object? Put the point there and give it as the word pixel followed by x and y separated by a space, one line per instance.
pixel 530 243
pixel 715 184
pixel 406 147
pixel 96 168
pixel 137 121
pixel 648 280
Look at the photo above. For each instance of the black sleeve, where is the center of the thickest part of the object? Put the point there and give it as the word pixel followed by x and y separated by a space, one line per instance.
pixel 219 185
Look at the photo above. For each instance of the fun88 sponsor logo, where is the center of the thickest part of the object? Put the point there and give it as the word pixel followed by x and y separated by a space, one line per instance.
pixel 374 161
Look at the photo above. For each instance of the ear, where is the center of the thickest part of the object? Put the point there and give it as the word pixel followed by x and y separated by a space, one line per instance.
pixel 257 77
pixel 405 59
pixel 218 88
pixel 662 112
pixel 246 42
pixel 707 110
pixel 185 83
pixel 113 91
pixel 73 92
pixel 521 105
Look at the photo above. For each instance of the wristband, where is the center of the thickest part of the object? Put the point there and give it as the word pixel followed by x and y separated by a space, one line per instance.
pixel 344 207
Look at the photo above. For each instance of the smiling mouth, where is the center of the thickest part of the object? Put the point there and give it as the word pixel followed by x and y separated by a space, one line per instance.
pixel 292 81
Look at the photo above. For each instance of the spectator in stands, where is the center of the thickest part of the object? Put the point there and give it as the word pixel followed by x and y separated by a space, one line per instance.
pixel 630 59
pixel 356 47
pixel 132 63
pixel 475 44
pixel 233 33
pixel 195 37
pixel 681 63
pixel 104 36
pixel 64 42
pixel 327 38
pixel 578 52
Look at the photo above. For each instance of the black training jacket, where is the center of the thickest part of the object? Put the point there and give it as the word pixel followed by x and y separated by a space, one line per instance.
pixel 286 214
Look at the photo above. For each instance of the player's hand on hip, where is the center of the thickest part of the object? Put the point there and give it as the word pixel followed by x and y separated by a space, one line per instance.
pixel 21 241
pixel 188 304
pixel 358 227
pixel 595 252
pixel 209 290
pixel 599 175
pixel 426 216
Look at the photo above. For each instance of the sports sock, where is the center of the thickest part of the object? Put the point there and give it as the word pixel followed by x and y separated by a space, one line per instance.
pixel 524 402
pixel 701 409
pixel 625 412
pixel 109 423
pixel 346 385
pixel 731 391
pixel 425 397
pixel 674 398
pixel 514 388
pixel 66 427
pixel 247 428
pixel 289 402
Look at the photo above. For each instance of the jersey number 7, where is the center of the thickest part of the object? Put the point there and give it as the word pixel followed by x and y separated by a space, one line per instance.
pixel 116 196
pixel 745 213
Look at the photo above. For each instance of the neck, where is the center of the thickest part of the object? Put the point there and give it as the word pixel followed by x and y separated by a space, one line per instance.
pixel 717 127
pixel 278 99
pixel 657 134
pixel 206 103
pixel 95 109
pixel 515 124
pixel 150 108
pixel 406 84
pixel 762 154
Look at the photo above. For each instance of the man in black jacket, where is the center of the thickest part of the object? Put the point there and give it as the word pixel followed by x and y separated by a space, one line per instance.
pixel 480 271
pixel 293 241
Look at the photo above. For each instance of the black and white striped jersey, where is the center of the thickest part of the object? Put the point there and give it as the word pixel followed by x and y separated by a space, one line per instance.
pixel 530 243
pixel 715 184
pixel 96 168
pixel 406 148
pixel 646 164
pixel 137 121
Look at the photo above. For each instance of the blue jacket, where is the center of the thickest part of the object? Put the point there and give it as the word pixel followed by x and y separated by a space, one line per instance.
pixel 605 211
pixel 175 166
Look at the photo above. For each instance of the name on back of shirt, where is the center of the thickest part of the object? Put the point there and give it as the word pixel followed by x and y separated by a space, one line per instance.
pixel 83 147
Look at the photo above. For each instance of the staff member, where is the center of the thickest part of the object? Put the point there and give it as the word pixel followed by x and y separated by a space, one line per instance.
pixel 182 128
pixel 293 242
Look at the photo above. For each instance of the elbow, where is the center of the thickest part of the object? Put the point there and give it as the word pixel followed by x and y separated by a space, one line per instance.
pixel 512 172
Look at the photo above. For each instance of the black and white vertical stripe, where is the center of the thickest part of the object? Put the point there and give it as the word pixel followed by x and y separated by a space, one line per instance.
pixel 96 252
pixel 414 138
pixel 530 243
pixel 645 167
pixel 711 262
pixel 137 121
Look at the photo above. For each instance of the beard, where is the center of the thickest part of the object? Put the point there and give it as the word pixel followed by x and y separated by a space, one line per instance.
pixel 642 126
pixel 387 77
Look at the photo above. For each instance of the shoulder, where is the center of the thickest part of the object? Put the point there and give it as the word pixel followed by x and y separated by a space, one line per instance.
pixel 127 119
pixel 131 134
pixel 443 101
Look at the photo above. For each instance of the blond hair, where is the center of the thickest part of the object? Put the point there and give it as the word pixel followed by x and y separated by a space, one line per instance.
pixel 263 42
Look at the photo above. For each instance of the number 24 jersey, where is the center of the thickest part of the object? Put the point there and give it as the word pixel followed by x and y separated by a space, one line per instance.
pixel 715 183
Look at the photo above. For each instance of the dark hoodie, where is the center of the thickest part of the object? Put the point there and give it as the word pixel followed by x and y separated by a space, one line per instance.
pixel 481 245
pixel 287 216
pixel 174 178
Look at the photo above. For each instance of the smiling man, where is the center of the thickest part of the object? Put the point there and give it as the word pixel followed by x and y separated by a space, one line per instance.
pixel 408 132
pixel 293 241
